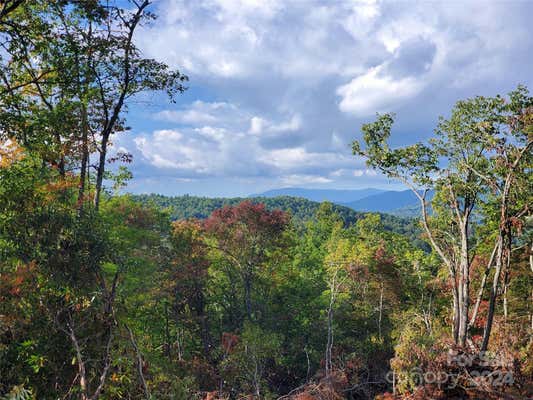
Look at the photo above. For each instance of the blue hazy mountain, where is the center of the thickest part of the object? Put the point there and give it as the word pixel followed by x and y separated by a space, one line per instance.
pixel 338 196
pixel 403 203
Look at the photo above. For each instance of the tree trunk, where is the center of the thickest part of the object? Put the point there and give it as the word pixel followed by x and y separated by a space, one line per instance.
pixel 84 157
pixel 380 310
pixel 248 294
pixel 166 349
pixel 531 266
pixel 61 161
pixel 139 363
pixel 482 287
pixel 464 286
pixel 506 289
pixel 455 316
pixel 329 343
pixel 206 338
pixel 100 172
pixel 493 295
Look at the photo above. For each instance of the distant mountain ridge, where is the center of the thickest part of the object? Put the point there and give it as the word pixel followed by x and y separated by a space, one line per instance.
pixel 183 207
pixel 338 196
pixel 302 210
pixel 391 202
pixel 401 203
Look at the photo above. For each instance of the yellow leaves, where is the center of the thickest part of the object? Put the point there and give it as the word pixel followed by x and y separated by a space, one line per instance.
pixel 120 379
pixel 347 251
pixel 189 227
pixel 10 152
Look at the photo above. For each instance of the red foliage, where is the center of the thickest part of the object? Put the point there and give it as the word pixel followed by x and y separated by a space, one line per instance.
pixel 229 342
pixel 246 218
pixel 382 257
pixel 136 215
pixel 305 396
pixel 204 374
pixel 190 265
pixel 212 396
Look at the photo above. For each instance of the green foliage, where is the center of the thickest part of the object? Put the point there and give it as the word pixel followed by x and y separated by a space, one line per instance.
pixel 247 365
pixel 301 210
pixel 154 297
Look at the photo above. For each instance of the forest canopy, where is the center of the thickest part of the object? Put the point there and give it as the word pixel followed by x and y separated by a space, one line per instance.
pixel 110 296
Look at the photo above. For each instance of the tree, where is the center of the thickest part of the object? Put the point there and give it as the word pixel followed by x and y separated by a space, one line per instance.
pixel 8 6
pixel 417 166
pixel 75 65
pixel 45 244
pixel 67 72
pixel 256 348
pixel 248 235
pixel 469 142
pixel 189 275
pixel 507 139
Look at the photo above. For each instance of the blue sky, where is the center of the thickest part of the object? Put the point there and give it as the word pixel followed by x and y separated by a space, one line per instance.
pixel 278 89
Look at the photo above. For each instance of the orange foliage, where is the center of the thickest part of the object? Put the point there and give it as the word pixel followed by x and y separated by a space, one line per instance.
pixel 386 396
pixel 13 284
pixel 53 189
pixel 325 388
pixel 136 215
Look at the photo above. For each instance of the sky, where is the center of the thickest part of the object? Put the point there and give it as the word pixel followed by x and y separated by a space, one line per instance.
pixel 279 89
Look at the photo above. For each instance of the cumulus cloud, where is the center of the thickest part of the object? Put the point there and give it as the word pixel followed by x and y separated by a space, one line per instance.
pixel 279 89
pixel 298 180
pixel 201 112
pixel 260 125
pixel 376 91
pixel 231 149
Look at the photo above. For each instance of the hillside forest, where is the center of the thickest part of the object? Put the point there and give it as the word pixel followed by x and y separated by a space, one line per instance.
pixel 105 295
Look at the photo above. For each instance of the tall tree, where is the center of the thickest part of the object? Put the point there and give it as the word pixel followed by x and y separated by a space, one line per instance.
pixel 189 275
pixel 478 139
pixel 75 66
pixel 248 235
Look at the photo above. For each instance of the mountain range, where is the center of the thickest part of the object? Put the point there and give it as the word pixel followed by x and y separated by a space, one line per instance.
pixel 401 203
pixel 301 209
pixel 337 196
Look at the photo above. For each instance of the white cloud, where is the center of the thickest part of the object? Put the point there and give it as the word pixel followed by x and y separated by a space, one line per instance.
pixel 210 132
pixel 376 92
pixel 293 125
pixel 273 40
pixel 170 149
pixel 257 125
pixel 199 112
pixel 348 173
pixel 260 125
pixel 301 180
pixel 193 153
pixel 299 157
pixel 294 80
